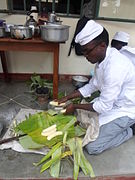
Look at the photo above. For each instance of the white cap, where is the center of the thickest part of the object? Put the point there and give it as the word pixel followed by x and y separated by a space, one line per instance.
pixel 121 36
pixel 90 31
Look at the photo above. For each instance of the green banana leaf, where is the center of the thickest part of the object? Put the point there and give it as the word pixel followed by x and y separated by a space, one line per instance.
pixel 60 146
pixel 75 145
pixel 34 124
pixel 55 159
pixel 49 163
pixel 28 143
pixel 55 167
pixel 49 154
pixel 72 143
pixel 84 163
pixel 79 131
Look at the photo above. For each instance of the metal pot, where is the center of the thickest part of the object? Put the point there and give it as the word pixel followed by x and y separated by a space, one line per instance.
pixel 2 31
pixel 20 32
pixel 79 81
pixel 55 32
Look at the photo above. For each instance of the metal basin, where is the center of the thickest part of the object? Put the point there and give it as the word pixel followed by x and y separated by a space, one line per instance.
pixel 79 81
pixel 55 32
pixel 20 32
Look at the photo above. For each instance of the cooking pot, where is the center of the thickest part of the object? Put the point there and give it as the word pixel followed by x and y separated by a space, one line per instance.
pixel 2 31
pixel 55 32
pixel 20 32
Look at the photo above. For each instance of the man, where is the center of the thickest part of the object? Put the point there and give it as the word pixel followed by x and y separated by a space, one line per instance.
pixel 120 42
pixel 115 79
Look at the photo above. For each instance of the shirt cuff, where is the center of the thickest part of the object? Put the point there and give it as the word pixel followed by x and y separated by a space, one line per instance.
pixel 83 92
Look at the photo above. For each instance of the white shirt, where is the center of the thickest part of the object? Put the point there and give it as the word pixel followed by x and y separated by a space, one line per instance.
pixel 115 78
pixel 129 52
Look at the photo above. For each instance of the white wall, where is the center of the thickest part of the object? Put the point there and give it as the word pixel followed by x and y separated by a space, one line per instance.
pixel 28 62
pixel 3 4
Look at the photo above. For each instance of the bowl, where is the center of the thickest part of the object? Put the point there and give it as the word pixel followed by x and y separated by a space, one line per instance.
pixel 79 81
pixel 20 32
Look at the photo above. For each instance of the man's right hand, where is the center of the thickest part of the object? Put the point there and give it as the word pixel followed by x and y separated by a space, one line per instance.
pixel 73 95
pixel 62 100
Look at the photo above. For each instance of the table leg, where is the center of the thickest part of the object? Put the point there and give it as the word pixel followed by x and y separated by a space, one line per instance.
pixel 4 65
pixel 55 72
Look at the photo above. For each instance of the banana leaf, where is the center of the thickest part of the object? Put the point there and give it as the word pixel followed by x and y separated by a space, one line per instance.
pixel 75 145
pixel 60 146
pixel 55 167
pixel 79 131
pixel 72 143
pixel 51 161
pixel 34 124
pixel 84 163
pixel 77 158
pixel 49 154
pixel 43 120
pixel 28 143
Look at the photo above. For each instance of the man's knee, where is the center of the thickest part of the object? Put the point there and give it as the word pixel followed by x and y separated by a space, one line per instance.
pixel 93 149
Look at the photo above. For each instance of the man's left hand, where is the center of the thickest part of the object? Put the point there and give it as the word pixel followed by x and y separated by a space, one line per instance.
pixel 70 109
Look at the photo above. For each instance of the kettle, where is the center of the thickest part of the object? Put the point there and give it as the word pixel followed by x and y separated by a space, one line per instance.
pixel 31 22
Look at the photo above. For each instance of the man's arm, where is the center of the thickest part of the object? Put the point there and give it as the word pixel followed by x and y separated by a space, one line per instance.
pixel 72 107
pixel 73 95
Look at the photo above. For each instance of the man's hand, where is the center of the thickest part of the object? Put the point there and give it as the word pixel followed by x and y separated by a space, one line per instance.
pixel 70 109
pixel 62 100
pixel 73 95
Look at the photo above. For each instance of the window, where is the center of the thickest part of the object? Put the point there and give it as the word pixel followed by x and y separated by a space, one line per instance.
pixel 116 10
pixel 71 8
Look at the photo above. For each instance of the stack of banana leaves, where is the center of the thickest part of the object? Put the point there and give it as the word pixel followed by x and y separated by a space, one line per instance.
pixel 61 135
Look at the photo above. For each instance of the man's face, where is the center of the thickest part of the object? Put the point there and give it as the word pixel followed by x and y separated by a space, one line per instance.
pixel 118 46
pixel 94 51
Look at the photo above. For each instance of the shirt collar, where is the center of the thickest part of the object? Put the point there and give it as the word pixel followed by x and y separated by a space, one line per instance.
pixel 108 50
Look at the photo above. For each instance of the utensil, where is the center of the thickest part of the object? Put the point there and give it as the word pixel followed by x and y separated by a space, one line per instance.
pixel 55 32
pixel 2 31
pixel 52 17
pixel 32 23
pixel 2 22
pixel 79 81
pixel 20 32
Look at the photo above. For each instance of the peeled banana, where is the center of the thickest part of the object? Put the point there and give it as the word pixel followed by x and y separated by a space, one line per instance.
pixel 51 132
pixel 55 103
pixel 57 133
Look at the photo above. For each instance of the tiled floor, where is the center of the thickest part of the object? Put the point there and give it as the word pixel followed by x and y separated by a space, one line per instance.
pixel 15 95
